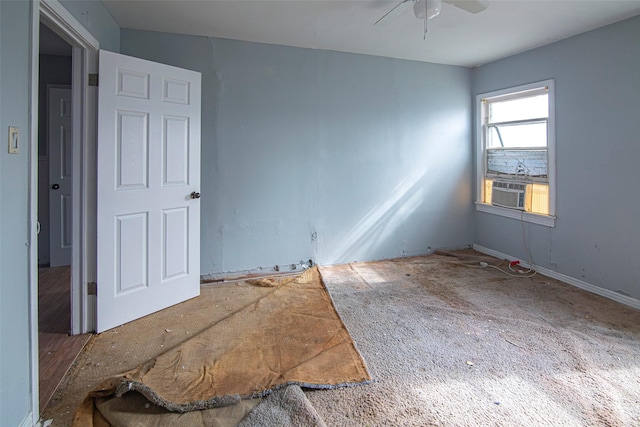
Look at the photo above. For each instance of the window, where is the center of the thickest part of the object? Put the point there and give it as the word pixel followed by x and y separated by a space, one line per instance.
pixel 516 152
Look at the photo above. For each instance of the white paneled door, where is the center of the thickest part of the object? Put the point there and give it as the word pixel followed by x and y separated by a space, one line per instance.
pixel 148 188
pixel 60 166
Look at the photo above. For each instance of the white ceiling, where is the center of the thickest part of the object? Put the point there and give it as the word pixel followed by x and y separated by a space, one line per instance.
pixel 454 37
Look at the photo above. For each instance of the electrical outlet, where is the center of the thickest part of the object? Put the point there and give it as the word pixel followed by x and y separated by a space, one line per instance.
pixel 14 140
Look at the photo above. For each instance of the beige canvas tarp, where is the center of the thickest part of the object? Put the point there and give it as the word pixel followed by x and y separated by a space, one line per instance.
pixel 286 331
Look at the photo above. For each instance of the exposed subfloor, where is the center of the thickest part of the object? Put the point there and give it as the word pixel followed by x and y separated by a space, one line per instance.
pixel 450 343
pixel 56 348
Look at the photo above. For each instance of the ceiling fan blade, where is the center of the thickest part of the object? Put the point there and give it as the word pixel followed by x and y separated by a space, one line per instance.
pixel 472 6
pixel 394 8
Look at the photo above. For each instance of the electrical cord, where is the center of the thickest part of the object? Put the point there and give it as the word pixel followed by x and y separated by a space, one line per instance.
pixel 482 264
pixel 529 272
pixel 526 247
pixel 520 273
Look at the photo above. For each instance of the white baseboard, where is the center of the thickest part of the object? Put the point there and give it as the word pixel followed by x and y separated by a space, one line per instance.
pixel 27 421
pixel 292 268
pixel 623 299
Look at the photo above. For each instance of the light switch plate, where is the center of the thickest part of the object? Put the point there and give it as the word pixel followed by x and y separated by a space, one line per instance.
pixel 14 140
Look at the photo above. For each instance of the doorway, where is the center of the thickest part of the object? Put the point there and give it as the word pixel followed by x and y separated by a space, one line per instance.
pixel 74 309
pixel 178 223
pixel 54 148
pixel 57 347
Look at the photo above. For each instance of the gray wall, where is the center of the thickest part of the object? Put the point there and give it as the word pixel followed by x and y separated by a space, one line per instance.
pixel 370 154
pixel 598 150
pixel 15 380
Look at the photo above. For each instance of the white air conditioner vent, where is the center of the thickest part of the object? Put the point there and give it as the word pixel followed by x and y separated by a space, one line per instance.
pixel 508 194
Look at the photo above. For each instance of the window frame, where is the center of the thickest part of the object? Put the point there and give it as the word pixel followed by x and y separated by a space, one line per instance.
pixel 481 153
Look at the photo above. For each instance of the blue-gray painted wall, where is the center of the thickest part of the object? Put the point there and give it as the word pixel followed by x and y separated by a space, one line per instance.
pixel 371 155
pixel 15 377
pixel 596 238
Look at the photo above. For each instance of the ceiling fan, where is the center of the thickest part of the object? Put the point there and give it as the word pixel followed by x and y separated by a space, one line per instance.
pixel 428 9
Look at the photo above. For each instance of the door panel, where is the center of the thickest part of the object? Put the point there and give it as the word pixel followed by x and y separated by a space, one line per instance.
pixel 175 243
pixel 60 167
pixel 176 151
pixel 148 165
pixel 132 144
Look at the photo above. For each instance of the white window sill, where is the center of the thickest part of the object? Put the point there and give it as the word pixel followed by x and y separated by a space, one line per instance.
pixel 546 220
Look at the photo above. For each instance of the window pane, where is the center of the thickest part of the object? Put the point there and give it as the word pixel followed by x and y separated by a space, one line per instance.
pixel 533 107
pixel 520 163
pixel 540 199
pixel 527 135
pixel 488 188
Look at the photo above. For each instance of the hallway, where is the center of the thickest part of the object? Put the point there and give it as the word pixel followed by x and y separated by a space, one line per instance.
pixel 57 350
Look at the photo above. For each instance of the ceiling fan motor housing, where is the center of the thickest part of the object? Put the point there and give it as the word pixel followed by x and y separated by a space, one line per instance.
pixel 427 9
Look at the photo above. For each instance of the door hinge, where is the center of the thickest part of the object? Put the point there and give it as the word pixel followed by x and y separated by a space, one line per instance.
pixel 92 288
pixel 93 79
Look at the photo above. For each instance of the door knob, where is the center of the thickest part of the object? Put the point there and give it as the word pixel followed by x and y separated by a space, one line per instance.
pixel 195 195
pixel 55 186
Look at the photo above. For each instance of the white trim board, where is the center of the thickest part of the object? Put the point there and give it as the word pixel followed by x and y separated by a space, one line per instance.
pixel 34 362
pixel 27 421
pixel 546 220
pixel 65 25
pixel 623 299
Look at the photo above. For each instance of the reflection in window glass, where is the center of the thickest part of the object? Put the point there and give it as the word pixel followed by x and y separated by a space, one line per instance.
pixel 526 135
pixel 519 109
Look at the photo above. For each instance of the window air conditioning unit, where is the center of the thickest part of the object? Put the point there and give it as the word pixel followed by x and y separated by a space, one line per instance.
pixel 509 194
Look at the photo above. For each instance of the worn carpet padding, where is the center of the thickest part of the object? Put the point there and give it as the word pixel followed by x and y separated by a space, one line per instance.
pixel 133 409
pixel 287 407
pixel 288 333
pixel 448 343
pixel 452 344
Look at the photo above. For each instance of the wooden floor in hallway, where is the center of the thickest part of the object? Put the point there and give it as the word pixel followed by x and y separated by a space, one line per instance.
pixel 57 349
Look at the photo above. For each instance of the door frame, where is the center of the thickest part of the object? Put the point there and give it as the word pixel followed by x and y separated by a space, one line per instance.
pixel 84 105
